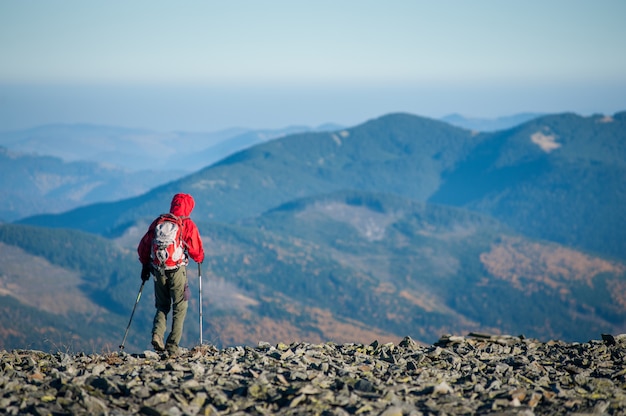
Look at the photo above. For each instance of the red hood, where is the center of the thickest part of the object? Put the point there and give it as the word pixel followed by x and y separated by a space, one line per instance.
pixel 182 205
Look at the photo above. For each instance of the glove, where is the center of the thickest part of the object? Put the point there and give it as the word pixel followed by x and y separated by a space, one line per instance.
pixel 145 272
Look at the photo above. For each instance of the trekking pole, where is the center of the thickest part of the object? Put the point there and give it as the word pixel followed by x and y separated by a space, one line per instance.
pixel 131 315
pixel 200 294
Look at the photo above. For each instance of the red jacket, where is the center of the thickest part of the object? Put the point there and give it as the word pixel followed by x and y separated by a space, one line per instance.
pixel 182 205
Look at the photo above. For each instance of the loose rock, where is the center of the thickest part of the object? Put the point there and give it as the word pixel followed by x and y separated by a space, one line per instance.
pixel 478 373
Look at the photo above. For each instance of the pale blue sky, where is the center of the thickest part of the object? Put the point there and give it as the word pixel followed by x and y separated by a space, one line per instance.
pixel 207 65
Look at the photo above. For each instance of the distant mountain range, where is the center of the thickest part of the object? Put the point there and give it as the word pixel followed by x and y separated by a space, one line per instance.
pixel 58 167
pixel 490 124
pixel 139 149
pixel 399 226
pixel 45 184
pixel 555 167
pixel 55 168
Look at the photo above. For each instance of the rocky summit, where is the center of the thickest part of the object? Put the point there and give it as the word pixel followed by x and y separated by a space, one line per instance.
pixel 458 375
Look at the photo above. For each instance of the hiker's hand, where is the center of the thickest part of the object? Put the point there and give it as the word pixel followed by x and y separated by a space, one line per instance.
pixel 145 272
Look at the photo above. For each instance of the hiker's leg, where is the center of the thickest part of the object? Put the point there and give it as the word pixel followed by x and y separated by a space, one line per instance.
pixel 162 304
pixel 180 301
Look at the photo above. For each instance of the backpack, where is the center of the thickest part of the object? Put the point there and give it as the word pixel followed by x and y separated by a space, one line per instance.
pixel 168 247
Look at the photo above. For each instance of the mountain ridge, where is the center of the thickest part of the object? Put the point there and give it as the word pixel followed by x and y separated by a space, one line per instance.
pixel 118 163
pixel 400 222
pixel 292 177
pixel 353 265
pixel 445 164
pixel 542 191
pixel 490 124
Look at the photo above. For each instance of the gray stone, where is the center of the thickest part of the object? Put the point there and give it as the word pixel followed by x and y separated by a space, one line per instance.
pixel 477 373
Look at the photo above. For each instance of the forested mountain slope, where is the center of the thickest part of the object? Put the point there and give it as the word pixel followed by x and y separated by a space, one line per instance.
pixel 559 177
pixel 348 266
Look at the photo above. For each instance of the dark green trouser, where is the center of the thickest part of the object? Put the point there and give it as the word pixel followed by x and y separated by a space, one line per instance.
pixel 170 291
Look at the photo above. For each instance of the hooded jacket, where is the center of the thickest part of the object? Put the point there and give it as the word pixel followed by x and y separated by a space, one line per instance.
pixel 181 206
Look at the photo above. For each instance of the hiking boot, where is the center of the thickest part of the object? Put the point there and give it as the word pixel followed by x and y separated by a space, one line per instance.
pixel 157 343
pixel 172 350
pixel 176 352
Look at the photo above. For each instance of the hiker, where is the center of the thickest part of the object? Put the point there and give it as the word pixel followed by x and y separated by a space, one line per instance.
pixel 167 261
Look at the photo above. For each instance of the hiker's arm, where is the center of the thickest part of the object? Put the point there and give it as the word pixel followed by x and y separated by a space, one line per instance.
pixel 145 246
pixel 194 243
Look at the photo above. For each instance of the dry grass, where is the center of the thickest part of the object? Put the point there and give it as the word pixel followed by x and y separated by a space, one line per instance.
pixel 531 266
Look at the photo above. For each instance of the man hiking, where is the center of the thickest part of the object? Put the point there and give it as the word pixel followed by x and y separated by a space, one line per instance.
pixel 163 251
